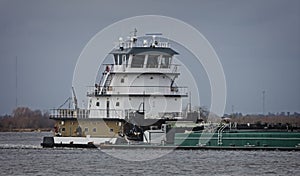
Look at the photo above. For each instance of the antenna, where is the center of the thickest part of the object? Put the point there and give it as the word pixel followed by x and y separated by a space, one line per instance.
pixel 74 98
pixel 134 32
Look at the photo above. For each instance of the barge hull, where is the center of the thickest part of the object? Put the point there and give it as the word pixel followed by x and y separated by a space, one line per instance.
pixel 196 147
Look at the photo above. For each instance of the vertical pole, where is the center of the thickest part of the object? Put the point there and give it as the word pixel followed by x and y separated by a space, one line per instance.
pixel 144 103
pixel 263 101
pixel 190 103
pixel 16 81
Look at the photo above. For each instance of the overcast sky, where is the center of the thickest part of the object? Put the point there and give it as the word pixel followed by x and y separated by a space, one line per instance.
pixel 258 43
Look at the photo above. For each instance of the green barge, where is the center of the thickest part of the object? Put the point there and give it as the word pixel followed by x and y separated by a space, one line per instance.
pixel 254 139
pixel 227 140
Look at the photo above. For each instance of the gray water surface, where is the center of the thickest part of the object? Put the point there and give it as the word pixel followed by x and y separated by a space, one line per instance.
pixel 21 154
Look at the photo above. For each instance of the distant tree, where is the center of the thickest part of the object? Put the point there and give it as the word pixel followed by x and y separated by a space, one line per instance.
pixel 25 118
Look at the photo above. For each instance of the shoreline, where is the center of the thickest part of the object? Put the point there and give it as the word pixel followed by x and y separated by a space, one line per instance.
pixel 27 130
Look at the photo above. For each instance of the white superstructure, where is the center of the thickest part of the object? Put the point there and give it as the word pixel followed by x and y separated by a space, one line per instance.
pixel 141 78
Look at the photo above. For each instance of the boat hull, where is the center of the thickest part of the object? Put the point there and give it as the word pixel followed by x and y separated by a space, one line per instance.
pixel 76 142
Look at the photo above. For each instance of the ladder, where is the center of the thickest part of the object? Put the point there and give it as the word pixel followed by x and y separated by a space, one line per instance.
pixel 220 133
pixel 106 82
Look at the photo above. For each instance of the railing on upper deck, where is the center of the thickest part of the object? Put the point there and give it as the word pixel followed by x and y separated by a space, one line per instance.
pixel 146 68
pixel 138 90
pixel 139 43
pixel 104 113
pixel 86 113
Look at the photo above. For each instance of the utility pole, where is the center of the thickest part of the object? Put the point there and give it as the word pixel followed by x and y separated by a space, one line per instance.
pixel 16 81
pixel 263 101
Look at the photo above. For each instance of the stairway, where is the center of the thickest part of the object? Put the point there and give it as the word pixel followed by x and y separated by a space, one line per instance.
pixel 106 83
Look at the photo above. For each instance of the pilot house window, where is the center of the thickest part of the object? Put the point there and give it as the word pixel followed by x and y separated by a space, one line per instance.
pixel 165 61
pixel 152 61
pixel 138 61
pixel 121 59
pixel 118 60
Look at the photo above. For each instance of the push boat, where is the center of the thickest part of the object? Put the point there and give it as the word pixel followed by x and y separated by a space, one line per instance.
pixel 136 103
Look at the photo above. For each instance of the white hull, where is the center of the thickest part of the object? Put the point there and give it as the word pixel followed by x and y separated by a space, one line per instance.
pixel 84 140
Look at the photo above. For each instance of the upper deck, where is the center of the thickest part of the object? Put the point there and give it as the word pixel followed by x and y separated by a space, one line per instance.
pixel 144 55
pixel 141 66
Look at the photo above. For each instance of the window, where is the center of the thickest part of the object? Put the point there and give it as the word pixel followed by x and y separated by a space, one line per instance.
pixel 138 61
pixel 152 61
pixel 125 59
pixel 122 80
pixel 94 130
pixel 117 103
pixel 97 103
pixel 86 130
pixel 118 61
pixel 165 62
pixel 63 129
pixel 111 130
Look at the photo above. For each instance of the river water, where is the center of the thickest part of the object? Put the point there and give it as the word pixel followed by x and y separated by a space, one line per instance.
pixel 21 154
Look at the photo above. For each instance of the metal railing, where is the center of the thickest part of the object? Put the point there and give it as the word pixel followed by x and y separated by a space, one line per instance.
pixel 86 113
pixel 220 134
pixel 138 90
pixel 104 113
pixel 130 44
pixel 144 68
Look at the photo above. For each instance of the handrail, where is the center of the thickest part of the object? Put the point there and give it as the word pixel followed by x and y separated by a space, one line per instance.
pixel 130 44
pixel 103 84
pixel 220 131
pixel 168 68
pixel 160 90
pixel 86 113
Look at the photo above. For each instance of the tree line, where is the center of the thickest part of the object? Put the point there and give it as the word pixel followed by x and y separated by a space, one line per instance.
pixel 23 118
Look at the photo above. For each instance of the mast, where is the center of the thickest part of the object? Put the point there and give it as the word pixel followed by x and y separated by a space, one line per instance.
pixel 74 98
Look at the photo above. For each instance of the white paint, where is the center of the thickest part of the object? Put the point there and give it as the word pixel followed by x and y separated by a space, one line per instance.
pixel 83 140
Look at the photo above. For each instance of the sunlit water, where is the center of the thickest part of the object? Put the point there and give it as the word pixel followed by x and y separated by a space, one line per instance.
pixel 21 154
